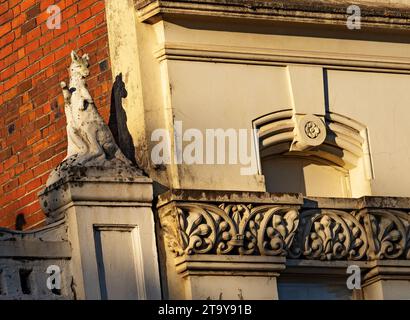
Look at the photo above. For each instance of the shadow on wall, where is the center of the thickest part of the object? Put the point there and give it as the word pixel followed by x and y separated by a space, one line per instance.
pixel 20 222
pixel 118 119
pixel 305 175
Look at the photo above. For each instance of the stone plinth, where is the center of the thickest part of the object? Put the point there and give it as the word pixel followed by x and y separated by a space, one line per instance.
pixel 111 231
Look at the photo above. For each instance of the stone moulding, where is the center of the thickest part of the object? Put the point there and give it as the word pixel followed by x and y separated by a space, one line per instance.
pixel 293 231
pixel 374 15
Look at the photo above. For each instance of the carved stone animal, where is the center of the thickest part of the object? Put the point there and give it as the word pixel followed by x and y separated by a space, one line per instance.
pixel 90 141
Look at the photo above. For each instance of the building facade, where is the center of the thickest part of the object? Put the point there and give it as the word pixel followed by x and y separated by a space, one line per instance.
pixel 267 146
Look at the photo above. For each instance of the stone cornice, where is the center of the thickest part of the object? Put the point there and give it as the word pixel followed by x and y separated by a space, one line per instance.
pixel 49 242
pixel 258 198
pixel 355 229
pixel 374 15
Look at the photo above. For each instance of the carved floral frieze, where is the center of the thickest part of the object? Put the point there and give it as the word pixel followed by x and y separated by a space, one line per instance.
pixel 272 230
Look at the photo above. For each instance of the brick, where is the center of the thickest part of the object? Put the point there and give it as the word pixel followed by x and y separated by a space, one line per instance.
pixel 44 4
pixel 82 16
pixel 33 11
pixel 32 69
pixel 26 176
pixel 46 37
pixel 33 208
pixel 27 199
pixel 18 21
pixel 32 46
pixel 39 170
pixel 84 4
pixel 4 7
pixel 9 186
pixel 33 34
pixel 7 73
pixel 11 207
pixel 97 7
pixel 47 154
pixel 20 65
pixel 25 4
pixel 21 53
pixel 46 61
pixel 6 17
pixel 85 39
pixel 5 154
pixel 10 83
pixel 14 4
pixel 40 99
pixel 87 26
pixel 62 53
pixel 25 107
pixel 4 178
pixel 32 185
pixel 69 12
pixel 10 57
pixel 6 39
pixel 5 51
pixel 29 25
pixel 5 28
pixel 25 86
pixel 18 193
pixel 42 17
pixel 34 137
pixel 18 169
pixel 10 162
pixel 40 146
pixel 37 218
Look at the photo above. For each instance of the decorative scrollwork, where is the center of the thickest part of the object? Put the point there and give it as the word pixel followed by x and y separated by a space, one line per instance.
pixel 388 236
pixel 321 234
pixel 241 229
pixel 330 235
pixel 278 229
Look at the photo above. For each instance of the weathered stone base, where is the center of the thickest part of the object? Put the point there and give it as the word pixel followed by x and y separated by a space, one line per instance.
pixel 111 231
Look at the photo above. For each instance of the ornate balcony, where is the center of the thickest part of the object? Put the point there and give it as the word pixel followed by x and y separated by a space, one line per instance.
pixel 277 245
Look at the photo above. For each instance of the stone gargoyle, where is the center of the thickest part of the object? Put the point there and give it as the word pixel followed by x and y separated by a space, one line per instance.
pixel 90 141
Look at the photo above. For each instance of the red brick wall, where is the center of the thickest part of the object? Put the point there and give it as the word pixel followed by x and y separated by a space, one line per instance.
pixel 33 61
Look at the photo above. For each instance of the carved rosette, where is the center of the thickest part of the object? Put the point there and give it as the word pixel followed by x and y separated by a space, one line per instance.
pixel 317 234
pixel 312 130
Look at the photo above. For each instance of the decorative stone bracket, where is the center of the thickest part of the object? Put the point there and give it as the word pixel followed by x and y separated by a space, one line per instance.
pixel 285 230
